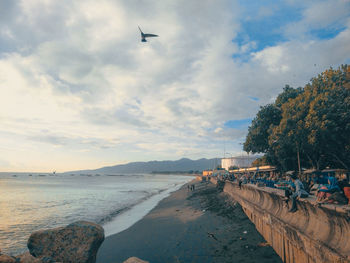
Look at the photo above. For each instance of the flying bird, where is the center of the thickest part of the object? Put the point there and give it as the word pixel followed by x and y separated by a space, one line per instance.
pixel 143 36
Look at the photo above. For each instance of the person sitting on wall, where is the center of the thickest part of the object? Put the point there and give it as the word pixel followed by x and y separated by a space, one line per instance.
pixel 322 179
pixel 335 198
pixel 288 190
pixel 298 193
pixel 308 183
pixel 329 193
pixel 313 187
pixel 326 190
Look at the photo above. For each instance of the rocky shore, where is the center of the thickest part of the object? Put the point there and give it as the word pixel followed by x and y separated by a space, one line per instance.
pixel 77 242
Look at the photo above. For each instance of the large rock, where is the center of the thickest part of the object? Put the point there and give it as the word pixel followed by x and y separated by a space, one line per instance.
pixel 135 260
pixel 27 258
pixel 75 243
pixel 7 259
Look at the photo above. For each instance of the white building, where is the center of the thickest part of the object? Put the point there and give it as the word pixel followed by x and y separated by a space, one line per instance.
pixel 239 161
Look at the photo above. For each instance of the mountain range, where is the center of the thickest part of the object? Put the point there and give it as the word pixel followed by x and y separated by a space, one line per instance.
pixel 182 165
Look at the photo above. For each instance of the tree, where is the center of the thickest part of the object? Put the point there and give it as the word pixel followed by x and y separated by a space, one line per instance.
pixel 260 161
pixel 258 132
pixel 308 127
pixel 287 94
pixel 328 121
pixel 269 116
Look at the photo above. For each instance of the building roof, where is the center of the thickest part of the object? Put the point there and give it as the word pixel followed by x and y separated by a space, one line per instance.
pixel 265 168
pixel 240 157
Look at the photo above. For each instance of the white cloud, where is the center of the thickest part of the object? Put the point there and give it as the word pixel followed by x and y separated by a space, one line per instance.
pixel 272 58
pixel 80 90
pixel 319 15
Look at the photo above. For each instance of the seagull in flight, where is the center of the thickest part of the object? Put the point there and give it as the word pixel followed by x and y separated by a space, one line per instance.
pixel 143 36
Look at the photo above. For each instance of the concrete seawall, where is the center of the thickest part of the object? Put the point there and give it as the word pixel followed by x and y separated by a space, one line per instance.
pixel 311 235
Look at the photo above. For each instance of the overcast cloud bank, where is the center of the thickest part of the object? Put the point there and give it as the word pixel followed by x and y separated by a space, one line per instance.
pixel 79 90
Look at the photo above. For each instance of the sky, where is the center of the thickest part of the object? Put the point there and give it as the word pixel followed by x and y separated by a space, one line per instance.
pixel 79 89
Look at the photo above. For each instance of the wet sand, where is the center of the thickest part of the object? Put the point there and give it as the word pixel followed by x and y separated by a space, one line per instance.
pixel 190 226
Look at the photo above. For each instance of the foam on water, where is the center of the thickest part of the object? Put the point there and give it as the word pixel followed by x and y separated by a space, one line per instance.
pixel 130 217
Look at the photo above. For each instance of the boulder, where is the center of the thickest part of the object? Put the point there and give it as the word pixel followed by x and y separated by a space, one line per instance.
pixel 75 243
pixel 7 259
pixel 135 260
pixel 27 258
pixel 47 260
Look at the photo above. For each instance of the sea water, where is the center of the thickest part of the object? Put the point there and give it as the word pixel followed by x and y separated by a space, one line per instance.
pixel 40 201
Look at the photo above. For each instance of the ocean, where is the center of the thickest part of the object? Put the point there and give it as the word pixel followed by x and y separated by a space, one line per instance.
pixel 29 202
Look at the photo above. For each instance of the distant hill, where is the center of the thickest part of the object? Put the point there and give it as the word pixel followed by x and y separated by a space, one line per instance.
pixel 182 165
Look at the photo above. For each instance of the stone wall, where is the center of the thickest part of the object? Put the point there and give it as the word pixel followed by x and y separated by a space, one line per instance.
pixel 310 235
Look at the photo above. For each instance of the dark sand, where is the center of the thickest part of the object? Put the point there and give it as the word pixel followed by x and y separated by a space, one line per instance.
pixel 201 226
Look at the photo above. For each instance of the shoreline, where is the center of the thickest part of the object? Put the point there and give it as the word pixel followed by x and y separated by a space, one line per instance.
pixel 130 217
pixel 190 226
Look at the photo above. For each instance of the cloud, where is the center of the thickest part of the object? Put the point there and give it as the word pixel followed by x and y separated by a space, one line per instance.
pixel 126 115
pixel 77 81
pixel 319 15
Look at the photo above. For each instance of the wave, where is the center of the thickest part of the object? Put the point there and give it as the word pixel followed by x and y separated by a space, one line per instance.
pixel 113 214
pixel 137 211
pixel 126 175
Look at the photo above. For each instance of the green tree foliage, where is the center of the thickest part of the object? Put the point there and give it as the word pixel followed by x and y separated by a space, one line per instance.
pixel 258 132
pixel 260 161
pixel 328 119
pixel 269 116
pixel 313 123
pixel 288 93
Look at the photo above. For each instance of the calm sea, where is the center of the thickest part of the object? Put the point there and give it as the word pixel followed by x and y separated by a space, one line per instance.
pixel 38 201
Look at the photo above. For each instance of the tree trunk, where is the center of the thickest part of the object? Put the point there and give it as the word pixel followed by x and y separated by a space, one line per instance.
pixel 311 161
pixel 298 158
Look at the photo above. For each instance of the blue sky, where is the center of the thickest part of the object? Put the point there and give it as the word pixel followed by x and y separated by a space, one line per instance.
pixel 80 90
pixel 263 22
pixel 238 124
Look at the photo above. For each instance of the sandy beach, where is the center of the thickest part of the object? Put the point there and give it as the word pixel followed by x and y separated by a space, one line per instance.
pixel 190 226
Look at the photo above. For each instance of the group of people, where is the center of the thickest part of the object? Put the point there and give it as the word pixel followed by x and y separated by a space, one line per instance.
pixel 331 192
pixel 327 189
